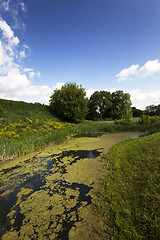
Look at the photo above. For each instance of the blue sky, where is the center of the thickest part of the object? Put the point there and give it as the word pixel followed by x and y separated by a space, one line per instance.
pixel 99 44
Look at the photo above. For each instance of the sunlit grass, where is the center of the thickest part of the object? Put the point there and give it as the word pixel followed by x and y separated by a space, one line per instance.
pixel 29 134
pixel 26 127
pixel 130 196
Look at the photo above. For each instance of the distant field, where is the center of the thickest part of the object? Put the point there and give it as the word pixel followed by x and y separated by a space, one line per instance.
pixel 130 196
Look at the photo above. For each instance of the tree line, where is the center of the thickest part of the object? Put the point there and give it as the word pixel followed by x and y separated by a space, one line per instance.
pixel 71 104
pixel 152 110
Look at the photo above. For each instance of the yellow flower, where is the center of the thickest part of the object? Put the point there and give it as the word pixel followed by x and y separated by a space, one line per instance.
pixel 36 121
pixel 10 134
pixel 16 136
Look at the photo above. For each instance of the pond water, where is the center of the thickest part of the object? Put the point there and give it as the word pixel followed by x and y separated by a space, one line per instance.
pixel 23 185
pixel 51 194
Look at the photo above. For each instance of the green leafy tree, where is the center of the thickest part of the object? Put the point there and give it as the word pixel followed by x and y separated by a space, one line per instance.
pixel 100 104
pixel 121 108
pixel 69 103
pixel 136 112
pixel 152 110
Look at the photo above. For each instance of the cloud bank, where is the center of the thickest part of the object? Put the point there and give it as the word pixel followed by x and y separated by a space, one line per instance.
pixel 16 82
pixel 136 72
pixel 142 98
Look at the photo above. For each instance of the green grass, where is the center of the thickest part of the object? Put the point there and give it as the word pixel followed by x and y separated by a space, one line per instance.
pixel 25 127
pixel 129 200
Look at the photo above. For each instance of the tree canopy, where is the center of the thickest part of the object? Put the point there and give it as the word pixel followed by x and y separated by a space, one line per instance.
pixel 104 105
pixel 69 103
pixel 100 105
pixel 136 112
pixel 153 110
pixel 121 107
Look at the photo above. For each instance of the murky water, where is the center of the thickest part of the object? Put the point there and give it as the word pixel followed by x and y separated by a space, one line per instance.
pixel 90 135
pixel 37 202
pixel 51 194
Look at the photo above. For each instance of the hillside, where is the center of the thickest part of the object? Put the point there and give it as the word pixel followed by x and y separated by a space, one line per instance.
pixel 25 127
pixel 18 110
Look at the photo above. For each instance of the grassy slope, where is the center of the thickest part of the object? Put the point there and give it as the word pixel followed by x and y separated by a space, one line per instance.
pixel 130 196
pixel 25 127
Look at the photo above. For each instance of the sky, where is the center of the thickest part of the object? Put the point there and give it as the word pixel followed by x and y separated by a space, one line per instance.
pixel 99 44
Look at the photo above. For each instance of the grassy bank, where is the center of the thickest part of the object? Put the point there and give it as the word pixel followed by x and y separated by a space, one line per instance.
pixel 25 127
pixel 129 199
pixel 34 133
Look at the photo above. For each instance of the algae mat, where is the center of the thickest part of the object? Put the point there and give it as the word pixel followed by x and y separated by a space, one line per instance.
pixel 51 194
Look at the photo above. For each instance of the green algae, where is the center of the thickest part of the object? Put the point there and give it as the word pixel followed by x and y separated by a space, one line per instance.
pixel 51 194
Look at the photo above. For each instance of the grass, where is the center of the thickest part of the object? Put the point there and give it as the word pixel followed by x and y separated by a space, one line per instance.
pixel 25 127
pixel 129 200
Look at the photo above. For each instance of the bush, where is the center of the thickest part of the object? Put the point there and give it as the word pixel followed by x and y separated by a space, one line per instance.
pixel 123 121
pixel 145 119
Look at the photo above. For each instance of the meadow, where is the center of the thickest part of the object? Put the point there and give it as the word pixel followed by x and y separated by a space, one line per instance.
pixel 129 199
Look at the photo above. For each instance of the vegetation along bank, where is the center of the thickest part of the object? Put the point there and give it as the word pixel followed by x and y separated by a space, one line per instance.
pixel 127 203
pixel 130 196
pixel 26 127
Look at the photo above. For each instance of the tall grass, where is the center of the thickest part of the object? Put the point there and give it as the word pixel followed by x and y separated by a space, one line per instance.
pixel 34 133
pixel 25 127
pixel 129 199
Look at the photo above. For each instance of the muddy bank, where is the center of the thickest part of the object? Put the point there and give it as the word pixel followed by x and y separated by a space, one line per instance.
pixel 51 194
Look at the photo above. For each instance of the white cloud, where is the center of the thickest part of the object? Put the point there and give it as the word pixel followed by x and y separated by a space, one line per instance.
pixel 58 85
pixel 15 80
pixel 149 68
pixel 89 92
pixel 142 98
pixel 112 90
pixel 8 33
pixel 127 73
pixel 28 69
pixel 22 54
pixel 32 74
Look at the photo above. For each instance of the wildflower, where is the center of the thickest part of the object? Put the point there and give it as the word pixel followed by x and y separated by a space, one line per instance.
pixel 16 136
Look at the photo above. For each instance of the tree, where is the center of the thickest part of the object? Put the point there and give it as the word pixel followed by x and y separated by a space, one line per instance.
pixel 136 112
pixel 100 104
pixel 152 110
pixel 121 107
pixel 69 103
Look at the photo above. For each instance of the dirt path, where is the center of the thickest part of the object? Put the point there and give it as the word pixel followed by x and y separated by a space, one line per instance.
pixel 51 194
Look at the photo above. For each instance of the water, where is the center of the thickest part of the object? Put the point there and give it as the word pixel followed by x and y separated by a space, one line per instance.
pixel 90 135
pixel 35 195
